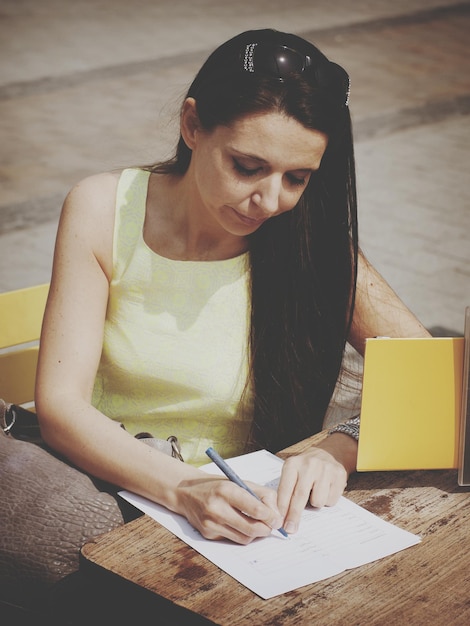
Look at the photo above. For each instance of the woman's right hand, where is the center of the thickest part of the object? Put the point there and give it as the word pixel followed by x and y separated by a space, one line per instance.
pixel 220 509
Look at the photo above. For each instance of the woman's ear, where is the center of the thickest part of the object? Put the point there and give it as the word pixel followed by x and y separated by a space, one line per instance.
pixel 189 122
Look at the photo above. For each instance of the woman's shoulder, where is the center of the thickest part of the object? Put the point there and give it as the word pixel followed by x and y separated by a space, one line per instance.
pixel 96 187
pixel 88 215
pixel 99 191
pixel 93 199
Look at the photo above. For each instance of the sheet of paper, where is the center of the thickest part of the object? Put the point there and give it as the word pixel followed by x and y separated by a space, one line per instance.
pixel 330 540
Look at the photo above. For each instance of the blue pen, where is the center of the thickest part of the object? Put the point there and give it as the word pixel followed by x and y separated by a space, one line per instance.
pixel 231 475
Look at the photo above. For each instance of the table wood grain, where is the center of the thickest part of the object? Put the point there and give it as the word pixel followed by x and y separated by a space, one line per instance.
pixel 425 584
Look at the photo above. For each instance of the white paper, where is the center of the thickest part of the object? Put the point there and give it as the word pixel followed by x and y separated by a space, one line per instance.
pixel 329 541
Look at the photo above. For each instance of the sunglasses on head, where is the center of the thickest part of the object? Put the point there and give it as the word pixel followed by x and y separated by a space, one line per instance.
pixel 280 62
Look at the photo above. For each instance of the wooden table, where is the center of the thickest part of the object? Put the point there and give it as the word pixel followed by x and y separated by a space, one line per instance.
pixel 426 584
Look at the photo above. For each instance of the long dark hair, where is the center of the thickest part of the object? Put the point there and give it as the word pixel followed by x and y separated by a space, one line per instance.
pixel 303 263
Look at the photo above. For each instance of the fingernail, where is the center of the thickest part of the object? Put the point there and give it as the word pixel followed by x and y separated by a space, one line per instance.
pixel 290 527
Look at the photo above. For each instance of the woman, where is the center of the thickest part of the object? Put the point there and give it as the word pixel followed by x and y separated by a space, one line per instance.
pixel 211 297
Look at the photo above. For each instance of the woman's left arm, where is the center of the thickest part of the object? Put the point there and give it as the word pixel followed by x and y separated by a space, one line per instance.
pixel 378 311
pixel 319 475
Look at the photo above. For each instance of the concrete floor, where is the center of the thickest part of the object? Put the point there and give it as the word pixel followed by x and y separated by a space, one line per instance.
pixel 89 85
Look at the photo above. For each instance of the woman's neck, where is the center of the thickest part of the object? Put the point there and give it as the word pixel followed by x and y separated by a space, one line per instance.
pixel 178 227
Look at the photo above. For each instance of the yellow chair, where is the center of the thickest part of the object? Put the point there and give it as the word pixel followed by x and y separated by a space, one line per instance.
pixel 21 313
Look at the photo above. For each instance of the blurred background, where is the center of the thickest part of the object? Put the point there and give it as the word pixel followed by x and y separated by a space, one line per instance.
pixel 92 85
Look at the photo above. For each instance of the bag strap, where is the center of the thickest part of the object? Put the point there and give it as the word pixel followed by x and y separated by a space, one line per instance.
pixel 19 422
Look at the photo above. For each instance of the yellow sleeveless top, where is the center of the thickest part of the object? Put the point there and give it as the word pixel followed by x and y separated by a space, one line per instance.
pixel 174 359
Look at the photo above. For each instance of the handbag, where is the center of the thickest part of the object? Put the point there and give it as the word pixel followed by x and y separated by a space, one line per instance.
pixel 49 508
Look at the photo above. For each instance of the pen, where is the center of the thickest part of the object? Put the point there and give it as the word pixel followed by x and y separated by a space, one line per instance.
pixel 231 475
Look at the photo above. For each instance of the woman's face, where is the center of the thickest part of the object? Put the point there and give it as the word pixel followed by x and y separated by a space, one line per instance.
pixel 254 169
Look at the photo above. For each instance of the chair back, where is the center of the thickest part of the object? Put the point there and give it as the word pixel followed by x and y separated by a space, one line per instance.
pixel 21 313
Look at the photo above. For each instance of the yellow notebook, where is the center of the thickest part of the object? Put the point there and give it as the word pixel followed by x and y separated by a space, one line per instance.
pixel 411 400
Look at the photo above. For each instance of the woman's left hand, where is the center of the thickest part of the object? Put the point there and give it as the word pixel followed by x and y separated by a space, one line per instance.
pixel 317 477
